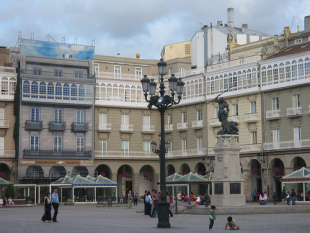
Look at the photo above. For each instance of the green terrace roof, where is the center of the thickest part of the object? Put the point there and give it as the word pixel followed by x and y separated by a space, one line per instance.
pixel 85 181
pixel 173 177
pixel 298 174
pixel 3 181
pixel 191 177
pixel 208 176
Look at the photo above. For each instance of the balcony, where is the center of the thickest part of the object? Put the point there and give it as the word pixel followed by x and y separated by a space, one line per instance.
pixel 169 128
pixel 4 124
pixel 126 128
pixel 104 127
pixel 273 114
pixel 50 154
pixel 53 126
pixel 251 117
pixel 125 155
pixel 186 153
pixel 233 118
pixel 214 122
pixel 34 125
pixel 182 126
pixel 7 154
pixel 197 124
pixel 287 145
pixel 148 129
pixel 251 148
pixel 79 127
pixel 294 112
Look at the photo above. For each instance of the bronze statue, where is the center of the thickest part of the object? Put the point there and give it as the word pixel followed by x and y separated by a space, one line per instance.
pixel 228 127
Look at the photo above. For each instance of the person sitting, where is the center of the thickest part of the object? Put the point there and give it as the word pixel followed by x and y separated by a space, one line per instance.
pixel 231 223
pixel 11 203
pixel 261 199
pixel 1 201
pixel 198 200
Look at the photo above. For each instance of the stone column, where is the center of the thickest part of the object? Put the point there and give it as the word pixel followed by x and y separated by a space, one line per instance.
pixel 227 183
pixel 135 183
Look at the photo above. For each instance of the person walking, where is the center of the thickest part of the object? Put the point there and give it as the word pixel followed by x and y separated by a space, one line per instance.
pixel 265 198
pixel 169 200
pixel 148 202
pixel 55 204
pixel 48 207
pixel 283 197
pixel 155 199
pixel 212 217
pixel 274 198
pixel 288 199
pixel 129 205
pixel 145 204
pixel 254 195
pixel 135 199
pixel 293 197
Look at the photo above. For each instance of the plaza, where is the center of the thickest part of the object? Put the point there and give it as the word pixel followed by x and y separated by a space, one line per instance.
pixel 89 218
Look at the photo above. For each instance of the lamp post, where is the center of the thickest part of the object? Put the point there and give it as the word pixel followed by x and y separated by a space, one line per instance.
pixel 162 102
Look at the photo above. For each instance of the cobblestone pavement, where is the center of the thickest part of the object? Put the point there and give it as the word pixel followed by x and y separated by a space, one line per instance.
pixel 89 218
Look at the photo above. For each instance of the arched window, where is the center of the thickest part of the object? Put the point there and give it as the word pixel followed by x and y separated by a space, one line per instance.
pixel 264 76
pixel 275 73
pixel 34 89
pixel 4 86
pixel 58 91
pixel 73 92
pixel 42 90
pixel 50 91
pixel 26 88
pixel 288 72
pixel 81 92
pixel 139 94
pixel 300 69
pixel 294 70
pixel 66 91
pixel 109 92
pixel 127 93
pixel 235 81
pixel 133 94
pixel 269 75
pixel 115 91
pixel 281 72
pixel 307 68
pixel 12 86
pixel 121 93
pixel 103 91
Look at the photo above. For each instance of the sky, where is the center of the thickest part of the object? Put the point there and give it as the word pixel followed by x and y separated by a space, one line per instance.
pixel 129 27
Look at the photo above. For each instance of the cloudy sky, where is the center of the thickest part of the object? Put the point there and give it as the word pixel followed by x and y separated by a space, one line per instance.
pixel 139 26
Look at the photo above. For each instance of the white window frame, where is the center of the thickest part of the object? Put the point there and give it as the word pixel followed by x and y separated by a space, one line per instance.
pixel 125 119
pixel 36 143
pixel 80 116
pixel 1 113
pixel 199 115
pixel 170 119
pixel 296 100
pixel 103 145
pixel 184 117
pixel 235 109
pixel 103 118
pixel 58 115
pixel 199 143
pixel 35 115
pixel 146 121
pixel 80 144
pixel 276 135
pixel 96 69
pixel 138 73
pixel 57 142
pixel 125 147
pixel 275 103
pixel 298 41
pixel 146 146
pixel 184 144
pixel 253 106
pixel 254 137
pixel 117 71
pixel 2 145
pixel 297 133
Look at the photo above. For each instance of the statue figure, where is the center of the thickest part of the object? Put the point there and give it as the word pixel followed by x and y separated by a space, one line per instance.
pixel 228 127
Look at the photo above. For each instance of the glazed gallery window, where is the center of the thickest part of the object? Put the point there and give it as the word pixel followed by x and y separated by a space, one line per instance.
pixel 275 103
pixel 80 116
pixel 117 71
pixel 58 115
pixel 296 100
pixel 138 72
pixel 146 146
pixel 199 115
pixel 35 115
pixel 184 117
pixel 125 146
pixel 125 119
pixel 235 109
pixel 57 144
pixel 254 137
pixel 146 120
pixel 103 145
pixel 34 143
pixel 253 107
pixel 103 119
pixel 79 144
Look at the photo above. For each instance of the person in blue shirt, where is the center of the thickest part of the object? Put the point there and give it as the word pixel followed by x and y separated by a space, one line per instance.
pixel 55 204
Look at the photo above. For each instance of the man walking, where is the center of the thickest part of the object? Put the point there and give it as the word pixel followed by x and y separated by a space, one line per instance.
pixel 55 203
pixel 155 198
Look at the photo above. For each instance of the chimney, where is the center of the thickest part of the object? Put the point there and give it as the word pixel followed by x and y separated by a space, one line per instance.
pixel 230 17
pixel 307 24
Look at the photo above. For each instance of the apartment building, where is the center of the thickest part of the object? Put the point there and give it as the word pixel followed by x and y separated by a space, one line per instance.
pixel 8 79
pixel 56 111
pixel 285 89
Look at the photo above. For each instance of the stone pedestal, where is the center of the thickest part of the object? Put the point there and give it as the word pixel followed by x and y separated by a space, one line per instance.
pixel 227 184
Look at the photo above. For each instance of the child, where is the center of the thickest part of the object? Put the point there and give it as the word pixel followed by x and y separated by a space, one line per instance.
pixel 231 223
pixel 212 217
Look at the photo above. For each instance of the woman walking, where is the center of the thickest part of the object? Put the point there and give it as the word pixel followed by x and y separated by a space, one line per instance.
pixel 48 207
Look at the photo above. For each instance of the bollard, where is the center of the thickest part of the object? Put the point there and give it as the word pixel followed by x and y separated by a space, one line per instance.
pixel 109 202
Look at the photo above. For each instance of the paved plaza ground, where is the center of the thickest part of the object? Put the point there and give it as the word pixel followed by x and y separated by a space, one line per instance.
pixel 89 218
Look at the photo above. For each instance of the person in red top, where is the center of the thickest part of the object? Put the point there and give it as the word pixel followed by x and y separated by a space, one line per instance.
pixel 155 198
pixel 192 196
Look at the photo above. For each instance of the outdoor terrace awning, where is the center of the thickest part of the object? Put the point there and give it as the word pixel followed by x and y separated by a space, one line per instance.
pixel 3 181
pixel 301 175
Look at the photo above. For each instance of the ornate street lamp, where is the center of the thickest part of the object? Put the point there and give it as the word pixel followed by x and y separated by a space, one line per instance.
pixel 162 102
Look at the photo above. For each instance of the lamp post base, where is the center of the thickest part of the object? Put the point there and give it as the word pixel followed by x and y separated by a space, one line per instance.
pixel 163 214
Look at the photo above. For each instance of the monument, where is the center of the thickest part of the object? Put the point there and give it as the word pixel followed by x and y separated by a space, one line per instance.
pixel 227 183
